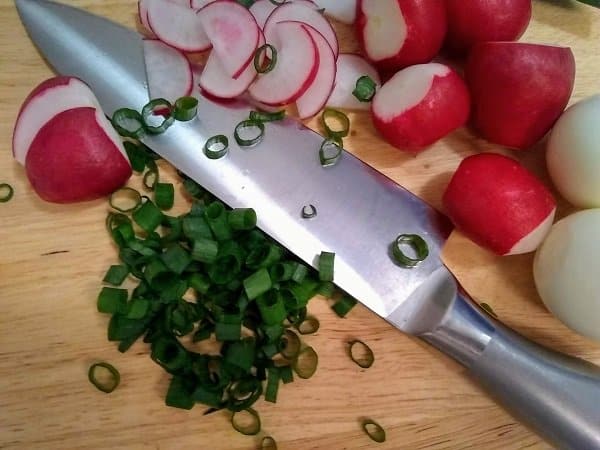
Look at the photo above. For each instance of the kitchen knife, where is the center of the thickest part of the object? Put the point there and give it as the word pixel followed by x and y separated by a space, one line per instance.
pixel 360 212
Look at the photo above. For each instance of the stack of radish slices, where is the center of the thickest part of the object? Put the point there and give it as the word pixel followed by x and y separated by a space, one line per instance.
pixel 277 55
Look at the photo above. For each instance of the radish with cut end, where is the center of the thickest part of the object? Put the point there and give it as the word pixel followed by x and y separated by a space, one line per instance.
pixel 499 204
pixel 233 33
pixel 350 68
pixel 261 10
pixel 342 10
pixel 420 105
pixel 398 33
pixel 177 26
pixel 296 68
pixel 168 71
pixel 315 97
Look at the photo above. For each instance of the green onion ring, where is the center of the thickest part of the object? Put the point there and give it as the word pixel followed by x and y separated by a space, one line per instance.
pixel 114 199
pixel 309 211
pixel 309 325
pixel 290 344
pixel 216 147
pixel 263 116
pixel 246 124
pixel 306 363
pixel 250 429
pixel 417 243
pixel 268 443
pixel 186 108
pixel 373 430
pixel 148 112
pixel 334 114
pixel 367 359
pixel 128 123
pixel 258 66
pixel 6 192
pixel 329 153
pixel 104 387
pixel 365 89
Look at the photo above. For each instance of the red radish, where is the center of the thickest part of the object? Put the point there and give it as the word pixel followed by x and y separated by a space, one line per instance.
pixel 315 97
pixel 399 33
pixel 168 71
pixel 519 90
pixel 302 12
pixel 499 204
pixel 342 10
pixel 50 98
pixel 296 68
pixel 233 33
pixel 485 20
pixel 261 10
pixel 350 68
pixel 177 26
pixel 143 14
pixel 419 105
pixel 199 4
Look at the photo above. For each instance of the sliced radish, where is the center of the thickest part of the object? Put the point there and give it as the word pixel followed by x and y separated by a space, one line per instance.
pixel 296 68
pixel 315 97
pixel 50 98
pixel 185 3
pixel 143 14
pixel 177 26
pixel 342 10
pixel 301 12
pixel 168 71
pixel 233 32
pixel 199 4
pixel 261 10
pixel 350 67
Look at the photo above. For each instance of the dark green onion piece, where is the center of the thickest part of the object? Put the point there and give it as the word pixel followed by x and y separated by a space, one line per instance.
pixel 6 192
pixel 216 147
pixel 176 258
pixel 242 219
pixel 116 274
pixel 281 271
pixel 326 289
pixel 264 116
pixel 329 153
pixel 272 385
pixel 137 156
pixel 148 216
pixel 205 250
pixel 216 216
pixel 179 395
pixel 137 308
pixel 286 374
pixel 186 109
pixel 309 325
pixel 299 273
pixel 268 443
pixel 112 300
pixel 326 260
pixel 246 422
pixel 290 345
pixel 595 3
pixel 365 89
pixel 106 386
pixel 271 307
pixel 169 354
pixel 416 243
pixel 333 115
pixel 257 284
pixel 150 179
pixel 306 363
pixel 487 308
pixel 228 329
pixel 196 227
pixel 199 282
pixel 255 128
pixel 241 353
pixel 164 195
pixel 373 430
pixel 125 199
pixel 261 51
pixel 361 354
pixel 128 123
pixel 309 211
pixel 149 115
pixel 344 305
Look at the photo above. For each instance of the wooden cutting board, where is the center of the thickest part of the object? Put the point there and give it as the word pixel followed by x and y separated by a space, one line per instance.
pixel 53 258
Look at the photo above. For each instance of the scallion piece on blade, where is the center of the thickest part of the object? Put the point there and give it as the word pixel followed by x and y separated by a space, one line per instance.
pixel 336 123
pixel 116 274
pixel 309 211
pixel 412 242
pixel 246 422
pixel 125 199
pixel 106 382
pixel 306 363
pixel 487 308
pixel 373 430
pixel 257 284
pixel 260 54
pixel 344 305
pixel 309 325
pixel 150 179
pixel 242 218
pixel 148 216
pixel 290 344
pixel 128 123
pixel 364 90
pixel 268 443
pixel 326 262
pixel 264 116
pixel 164 195
pixel 6 192
pixel 329 153
pixel 157 116
pixel 216 147
pixel 253 128
pixel 361 354
pixel 112 300
pixel 186 108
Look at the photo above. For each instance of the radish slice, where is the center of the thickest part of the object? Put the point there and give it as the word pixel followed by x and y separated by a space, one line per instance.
pixel 261 10
pixel 233 32
pixel 185 3
pixel 341 10
pixel 199 4
pixel 350 68
pixel 296 68
pixel 177 26
pixel 168 71
pixel 299 11
pixel 143 14
pixel 315 97
pixel 49 99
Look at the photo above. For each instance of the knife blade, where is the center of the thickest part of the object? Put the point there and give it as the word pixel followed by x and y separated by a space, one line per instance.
pixel 360 212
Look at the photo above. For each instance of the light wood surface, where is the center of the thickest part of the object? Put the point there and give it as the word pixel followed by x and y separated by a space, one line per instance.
pixel 53 257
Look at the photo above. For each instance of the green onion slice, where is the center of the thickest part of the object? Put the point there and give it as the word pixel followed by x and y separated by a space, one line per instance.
pixel 487 308
pixel 268 443
pixel 128 123
pixel 309 325
pixel 125 199
pixel 263 116
pixel 326 262
pixel 344 305
pixel 373 430
pixel 107 382
pixel 329 153
pixel 216 147
pixel 254 128
pixel 333 116
pixel 259 56
pixel 186 108
pixel 164 195
pixel 361 354
pixel 309 211
pixel 306 363
pixel 116 274
pixel 6 192
pixel 365 89
pixel 290 344
pixel 246 422
pixel 151 113
pixel 418 246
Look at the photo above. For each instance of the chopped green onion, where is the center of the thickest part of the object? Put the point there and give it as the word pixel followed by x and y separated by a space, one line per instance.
pixel 216 216
pixel 326 289
pixel 361 354
pixel 487 308
pixel 254 128
pixel 257 284
pixel 290 344
pixel 186 108
pixel 6 192
pixel 229 329
pixel 242 219
pixel 272 385
pixel 365 89
pixel 176 258
pixel 104 385
pixel 137 308
pixel 416 243
pixel 148 216
pixel 150 179
pixel 164 195
pixel 125 199
pixel 128 123
pixel 216 147
pixel 299 273
pixel 268 443
pixel 329 153
pixel 112 300
pixel 241 353
pixel 286 374
pixel 306 363
pixel 137 156
pixel 246 422
pixel 309 325
pixel 373 430
pixel 149 116
pixel 326 260
pixel 309 211
pixel 333 115
pixel 196 227
pixel 271 307
pixel 116 274
pixel 205 250
pixel 264 116
pixel 595 3
pixel 343 306
pixel 169 354
pixel 178 394
pixel 260 54
pixel 199 282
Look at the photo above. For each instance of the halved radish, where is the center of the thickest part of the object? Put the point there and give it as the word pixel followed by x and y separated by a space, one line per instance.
pixel 342 10
pixel 261 10
pixel 143 14
pixel 199 4
pixel 177 26
pixel 296 68
pixel 168 71
pixel 233 33
pixel 314 98
pixel 301 12
pixel 350 67
pixel 50 98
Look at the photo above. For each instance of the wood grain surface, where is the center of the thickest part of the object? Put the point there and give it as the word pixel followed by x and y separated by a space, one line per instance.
pixel 52 259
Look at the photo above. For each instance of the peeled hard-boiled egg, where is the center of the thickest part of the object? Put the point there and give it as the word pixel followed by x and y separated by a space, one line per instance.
pixel 573 154
pixel 566 272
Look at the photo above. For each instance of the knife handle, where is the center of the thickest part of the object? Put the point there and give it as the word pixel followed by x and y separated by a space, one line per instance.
pixel 557 395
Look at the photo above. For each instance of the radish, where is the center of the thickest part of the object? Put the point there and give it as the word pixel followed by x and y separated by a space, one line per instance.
pixel 573 153
pixel 315 97
pixel 341 10
pixel 143 14
pixel 199 4
pixel 350 68
pixel 519 90
pixel 296 68
pixel 233 33
pixel 566 275
pixel 398 33
pixel 168 71
pixel 485 20
pixel 419 105
pixel 177 26
pixel 499 204
pixel 261 10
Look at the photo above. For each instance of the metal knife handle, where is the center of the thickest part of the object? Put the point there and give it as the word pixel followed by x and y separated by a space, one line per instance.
pixel 557 395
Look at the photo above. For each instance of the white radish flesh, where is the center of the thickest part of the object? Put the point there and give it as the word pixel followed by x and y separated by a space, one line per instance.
pixel 168 71
pixel 341 10
pixel 199 4
pixel 261 10
pixel 385 29
pixel 350 68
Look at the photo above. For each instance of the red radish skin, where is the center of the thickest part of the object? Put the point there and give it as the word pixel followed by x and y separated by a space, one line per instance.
pixel 398 33
pixel 499 204
pixel 475 21
pixel 518 90
pixel 350 67
pixel 420 105
pixel 74 158
pixel 168 71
